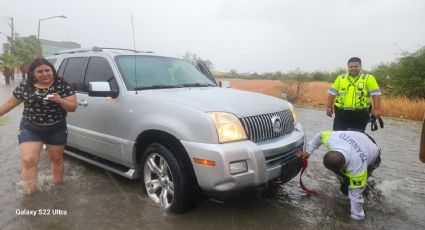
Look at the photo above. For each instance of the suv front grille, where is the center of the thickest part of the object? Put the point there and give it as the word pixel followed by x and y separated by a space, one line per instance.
pixel 261 127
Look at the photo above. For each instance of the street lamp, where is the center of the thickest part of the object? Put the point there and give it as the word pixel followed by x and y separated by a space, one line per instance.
pixel 42 19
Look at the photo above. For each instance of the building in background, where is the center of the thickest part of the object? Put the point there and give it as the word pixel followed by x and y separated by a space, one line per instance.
pixel 51 47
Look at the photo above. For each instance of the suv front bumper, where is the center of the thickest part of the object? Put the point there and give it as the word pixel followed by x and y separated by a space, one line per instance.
pixel 264 160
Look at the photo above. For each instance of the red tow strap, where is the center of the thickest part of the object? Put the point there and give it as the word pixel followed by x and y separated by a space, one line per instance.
pixel 306 190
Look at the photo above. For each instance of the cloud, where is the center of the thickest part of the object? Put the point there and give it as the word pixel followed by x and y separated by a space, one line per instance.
pixel 254 35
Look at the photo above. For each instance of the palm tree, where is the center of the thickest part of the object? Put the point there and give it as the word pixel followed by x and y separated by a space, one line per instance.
pixel 7 65
pixel 26 49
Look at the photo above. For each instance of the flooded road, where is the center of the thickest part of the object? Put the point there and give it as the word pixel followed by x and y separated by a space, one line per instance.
pixel 92 198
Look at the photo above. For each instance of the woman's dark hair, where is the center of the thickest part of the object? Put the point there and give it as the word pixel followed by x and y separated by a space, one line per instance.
pixel 36 63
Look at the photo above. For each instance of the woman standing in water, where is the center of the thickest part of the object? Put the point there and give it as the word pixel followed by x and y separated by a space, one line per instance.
pixel 47 99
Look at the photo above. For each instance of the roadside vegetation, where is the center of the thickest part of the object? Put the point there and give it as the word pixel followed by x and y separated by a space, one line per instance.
pixel 314 94
pixel 18 54
pixel 402 83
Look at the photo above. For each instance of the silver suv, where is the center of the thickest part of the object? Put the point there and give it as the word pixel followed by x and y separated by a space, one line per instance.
pixel 167 122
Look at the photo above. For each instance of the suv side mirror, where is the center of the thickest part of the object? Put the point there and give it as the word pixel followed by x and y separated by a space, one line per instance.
pixel 224 84
pixel 101 89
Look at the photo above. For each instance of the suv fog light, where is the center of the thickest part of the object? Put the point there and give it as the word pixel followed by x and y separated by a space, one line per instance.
pixel 238 167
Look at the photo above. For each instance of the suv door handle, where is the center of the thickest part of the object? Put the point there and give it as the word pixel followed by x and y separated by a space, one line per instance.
pixel 83 102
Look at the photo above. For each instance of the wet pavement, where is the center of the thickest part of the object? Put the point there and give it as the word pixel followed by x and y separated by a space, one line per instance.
pixel 92 198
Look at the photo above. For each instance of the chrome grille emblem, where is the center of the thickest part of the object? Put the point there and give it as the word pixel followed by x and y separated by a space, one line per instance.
pixel 263 127
pixel 277 124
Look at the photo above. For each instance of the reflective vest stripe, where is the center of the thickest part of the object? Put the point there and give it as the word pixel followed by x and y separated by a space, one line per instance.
pixel 375 92
pixel 333 91
pixel 324 137
pixel 357 181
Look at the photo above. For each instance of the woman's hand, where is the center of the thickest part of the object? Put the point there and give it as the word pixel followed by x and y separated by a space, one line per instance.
pixel 55 98
pixel 69 103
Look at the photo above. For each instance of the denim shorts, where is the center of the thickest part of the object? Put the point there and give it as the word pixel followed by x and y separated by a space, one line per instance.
pixel 55 134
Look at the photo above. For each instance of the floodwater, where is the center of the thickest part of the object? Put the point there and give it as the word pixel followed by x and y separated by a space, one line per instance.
pixel 92 198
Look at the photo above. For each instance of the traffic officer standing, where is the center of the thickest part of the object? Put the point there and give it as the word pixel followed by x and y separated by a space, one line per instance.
pixel 352 156
pixel 349 97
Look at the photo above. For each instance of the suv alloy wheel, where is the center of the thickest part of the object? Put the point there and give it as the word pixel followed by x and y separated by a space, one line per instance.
pixel 164 179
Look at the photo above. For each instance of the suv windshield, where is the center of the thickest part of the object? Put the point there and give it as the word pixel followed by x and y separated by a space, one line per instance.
pixel 151 72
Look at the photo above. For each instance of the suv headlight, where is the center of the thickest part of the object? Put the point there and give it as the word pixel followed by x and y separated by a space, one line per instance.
pixel 291 107
pixel 229 127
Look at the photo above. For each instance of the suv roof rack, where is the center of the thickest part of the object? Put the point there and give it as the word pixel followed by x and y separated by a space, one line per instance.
pixel 96 49
pixel 79 50
pixel 137 51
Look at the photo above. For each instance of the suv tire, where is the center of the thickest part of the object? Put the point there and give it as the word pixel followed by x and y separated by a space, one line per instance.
pixel 165 179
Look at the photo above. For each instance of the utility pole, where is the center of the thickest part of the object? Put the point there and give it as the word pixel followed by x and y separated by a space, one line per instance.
pixel 12 48
pixel 13 33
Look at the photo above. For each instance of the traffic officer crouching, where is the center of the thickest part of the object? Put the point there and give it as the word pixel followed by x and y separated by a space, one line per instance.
pixel 352 156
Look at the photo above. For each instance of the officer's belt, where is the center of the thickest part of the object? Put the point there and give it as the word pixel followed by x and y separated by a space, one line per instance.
pixel 351 109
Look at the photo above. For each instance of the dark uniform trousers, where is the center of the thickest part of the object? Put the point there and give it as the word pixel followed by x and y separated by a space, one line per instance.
pixel 351 119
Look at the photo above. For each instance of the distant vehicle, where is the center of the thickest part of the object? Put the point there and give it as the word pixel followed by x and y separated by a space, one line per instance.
pixel 167 122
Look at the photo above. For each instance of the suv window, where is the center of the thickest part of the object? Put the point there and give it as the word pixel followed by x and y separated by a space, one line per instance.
pixel 73 72
pixel 98 69
pixel 62 67
pixel 143 72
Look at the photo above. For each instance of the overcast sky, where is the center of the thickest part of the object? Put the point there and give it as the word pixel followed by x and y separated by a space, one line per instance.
pixel 246 35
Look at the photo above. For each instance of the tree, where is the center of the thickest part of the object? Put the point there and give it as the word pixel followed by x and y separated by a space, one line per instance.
pixel 26 50
pixel 8 63
pixel 318 76
pixel 193 59
pixel 408 76
pixel 233 72
pixel 383 74
pixel 333 75
pixel 292 87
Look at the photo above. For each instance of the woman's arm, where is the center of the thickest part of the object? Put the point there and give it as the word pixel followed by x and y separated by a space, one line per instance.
pixel 11 103
pixel 69 103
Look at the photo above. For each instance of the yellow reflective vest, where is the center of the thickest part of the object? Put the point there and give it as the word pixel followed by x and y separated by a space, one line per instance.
pixel 354 93
pixel 357 181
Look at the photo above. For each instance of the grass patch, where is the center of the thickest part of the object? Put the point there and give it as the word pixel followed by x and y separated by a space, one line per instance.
pixel 2 121
pixel 315 94
pixel 394 124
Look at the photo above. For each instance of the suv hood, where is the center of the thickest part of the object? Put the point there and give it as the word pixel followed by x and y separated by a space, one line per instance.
pixel 241 103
